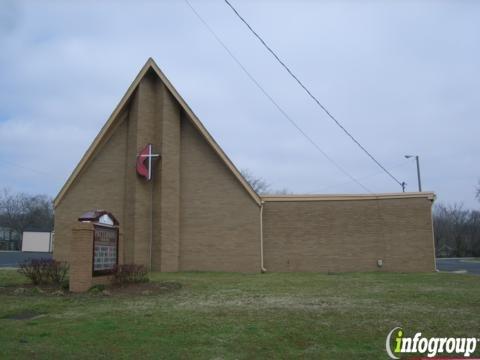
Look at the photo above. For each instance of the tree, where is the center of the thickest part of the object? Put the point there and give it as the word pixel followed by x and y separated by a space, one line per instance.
pixel 21 211
pixel 457 231
pixel 261 186
pixel 477 193
pixel 473 230
pixel 283 191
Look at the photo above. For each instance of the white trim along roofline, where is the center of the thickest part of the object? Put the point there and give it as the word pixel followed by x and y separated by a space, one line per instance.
pixel 348 197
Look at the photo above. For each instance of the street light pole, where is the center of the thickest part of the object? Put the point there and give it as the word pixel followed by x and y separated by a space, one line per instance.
pixel 418 174
pixel 417 159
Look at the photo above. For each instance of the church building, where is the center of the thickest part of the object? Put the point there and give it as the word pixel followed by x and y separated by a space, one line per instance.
pixel 182 205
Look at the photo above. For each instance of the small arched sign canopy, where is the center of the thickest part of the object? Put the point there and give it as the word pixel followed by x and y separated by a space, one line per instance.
pixel 99 216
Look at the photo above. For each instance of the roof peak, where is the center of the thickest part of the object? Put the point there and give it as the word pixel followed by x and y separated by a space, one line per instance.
pixel 151 64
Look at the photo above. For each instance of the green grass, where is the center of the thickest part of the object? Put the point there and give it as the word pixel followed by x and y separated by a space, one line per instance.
pixel 239 316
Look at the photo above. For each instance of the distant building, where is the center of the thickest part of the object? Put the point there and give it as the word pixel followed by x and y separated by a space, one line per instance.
pixel 445 251
pixel 37 241
pixel 9 239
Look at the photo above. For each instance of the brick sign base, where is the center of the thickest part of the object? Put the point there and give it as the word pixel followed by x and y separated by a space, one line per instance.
pixel 81 261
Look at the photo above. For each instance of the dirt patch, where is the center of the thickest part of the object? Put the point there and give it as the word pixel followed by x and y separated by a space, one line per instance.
pixel 33 290
pixel 148 288
pixel 24 315
pixel 140 289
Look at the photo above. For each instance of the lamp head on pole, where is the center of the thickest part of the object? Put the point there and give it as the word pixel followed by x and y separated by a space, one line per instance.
pixel 409 156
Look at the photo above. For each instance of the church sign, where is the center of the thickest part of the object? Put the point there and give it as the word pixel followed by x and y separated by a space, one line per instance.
pixel 105 241
pixel 105 249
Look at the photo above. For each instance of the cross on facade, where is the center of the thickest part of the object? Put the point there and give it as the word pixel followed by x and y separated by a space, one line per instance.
pixel 144 162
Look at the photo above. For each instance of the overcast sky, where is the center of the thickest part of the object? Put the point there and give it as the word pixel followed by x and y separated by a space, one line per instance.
pixel 403 77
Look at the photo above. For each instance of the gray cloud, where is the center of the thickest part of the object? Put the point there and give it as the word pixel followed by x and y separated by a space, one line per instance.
pixel 402 77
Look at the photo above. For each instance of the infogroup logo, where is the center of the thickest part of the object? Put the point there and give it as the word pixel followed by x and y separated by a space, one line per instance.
pixel 398 344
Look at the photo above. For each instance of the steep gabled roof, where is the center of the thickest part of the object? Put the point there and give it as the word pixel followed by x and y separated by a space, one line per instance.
pixel 150 64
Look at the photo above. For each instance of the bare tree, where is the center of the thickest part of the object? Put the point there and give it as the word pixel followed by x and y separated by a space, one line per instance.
pixel 477 192
pixel 21 211
pixel 283 191
pixel 457 231
pixel 261 186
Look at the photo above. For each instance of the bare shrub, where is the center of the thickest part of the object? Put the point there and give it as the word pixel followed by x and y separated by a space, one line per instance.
pixel 44 271
pixel 130 273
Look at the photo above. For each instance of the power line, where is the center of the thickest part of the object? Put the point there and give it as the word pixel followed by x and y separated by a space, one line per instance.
pixel 25 167
pixel 272 100
pixel 403 163
pixel 310 93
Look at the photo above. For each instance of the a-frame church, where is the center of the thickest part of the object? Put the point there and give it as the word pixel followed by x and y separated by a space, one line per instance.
pixel 182 205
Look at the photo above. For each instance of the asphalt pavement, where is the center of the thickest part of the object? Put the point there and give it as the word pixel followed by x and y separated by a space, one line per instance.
pixel 13 258
pixel 468 265
pixel 462 265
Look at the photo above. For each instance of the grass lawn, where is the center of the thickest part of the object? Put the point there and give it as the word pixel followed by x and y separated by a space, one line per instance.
pixel 239 316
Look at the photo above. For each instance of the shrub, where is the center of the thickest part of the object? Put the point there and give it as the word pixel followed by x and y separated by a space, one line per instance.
pixel 65 285
pixel 57 271
pixel 97 289
pixel 35 270
pixel 130 273
pixel 44 271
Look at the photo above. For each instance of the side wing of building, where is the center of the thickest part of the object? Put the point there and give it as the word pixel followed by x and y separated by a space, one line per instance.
pixel 336 234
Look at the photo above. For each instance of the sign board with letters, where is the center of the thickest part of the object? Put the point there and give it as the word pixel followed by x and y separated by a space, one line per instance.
pixel 95 248
pixel 105 241
pixel 105 249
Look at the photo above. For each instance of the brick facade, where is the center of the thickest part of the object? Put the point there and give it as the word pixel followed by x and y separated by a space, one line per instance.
pixel 349 235
pixel 81 277
pixel 198 214
pixel 220 223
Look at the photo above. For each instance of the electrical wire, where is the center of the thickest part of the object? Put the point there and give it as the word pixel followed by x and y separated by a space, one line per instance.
pixel 403 163
pixel 310 93
pixel 272 100
pixel 9 163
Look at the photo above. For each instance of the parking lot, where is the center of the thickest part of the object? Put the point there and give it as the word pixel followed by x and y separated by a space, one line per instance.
pixel 468 265
pixel 13 258
pixel 462 265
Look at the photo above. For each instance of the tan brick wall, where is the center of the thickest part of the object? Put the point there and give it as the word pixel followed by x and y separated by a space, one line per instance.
pixel 351 235
pixel 203 219
pixel 101 185
pixel 80 274
pixel 144 127
pixel 169 203
pixel 220 223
